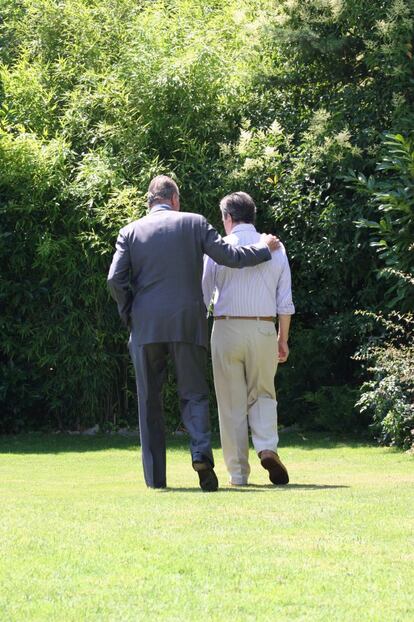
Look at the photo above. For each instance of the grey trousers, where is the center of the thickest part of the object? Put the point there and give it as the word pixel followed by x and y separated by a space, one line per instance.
pixel 150 364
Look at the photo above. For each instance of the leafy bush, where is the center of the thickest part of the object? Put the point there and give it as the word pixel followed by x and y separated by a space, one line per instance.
pixel 388 396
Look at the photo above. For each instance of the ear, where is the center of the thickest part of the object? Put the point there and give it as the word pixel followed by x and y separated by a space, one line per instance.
pixel 228 223
pixel 175 202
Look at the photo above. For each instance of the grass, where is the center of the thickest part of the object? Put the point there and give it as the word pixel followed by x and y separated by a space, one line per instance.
pixel 82 539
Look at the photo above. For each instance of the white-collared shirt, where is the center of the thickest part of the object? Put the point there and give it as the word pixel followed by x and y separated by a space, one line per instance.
pixel 264 290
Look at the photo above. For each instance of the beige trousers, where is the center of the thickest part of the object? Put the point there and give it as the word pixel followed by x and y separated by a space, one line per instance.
pixel 244 355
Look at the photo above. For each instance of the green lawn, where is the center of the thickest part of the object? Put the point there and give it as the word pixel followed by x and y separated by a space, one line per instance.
pixel 81 538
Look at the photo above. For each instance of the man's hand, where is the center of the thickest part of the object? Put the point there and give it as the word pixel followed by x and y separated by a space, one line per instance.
pixel 271 240
pixel 283 350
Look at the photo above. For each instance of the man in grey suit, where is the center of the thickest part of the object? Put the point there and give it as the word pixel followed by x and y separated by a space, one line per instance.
pixel 155 278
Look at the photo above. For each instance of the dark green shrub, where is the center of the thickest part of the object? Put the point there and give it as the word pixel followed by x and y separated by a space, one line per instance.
pixel 333 408
pixel 390 195
pixel 388 394
pixel 319 362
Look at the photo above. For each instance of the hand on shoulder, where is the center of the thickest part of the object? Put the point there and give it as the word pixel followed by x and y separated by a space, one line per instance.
pixel 272 241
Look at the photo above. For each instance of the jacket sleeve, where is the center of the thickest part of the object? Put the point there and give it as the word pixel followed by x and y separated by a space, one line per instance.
pixel 119 278
pixel 227 255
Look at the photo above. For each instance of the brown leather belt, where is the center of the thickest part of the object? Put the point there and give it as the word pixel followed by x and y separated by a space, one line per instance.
pixel 243 317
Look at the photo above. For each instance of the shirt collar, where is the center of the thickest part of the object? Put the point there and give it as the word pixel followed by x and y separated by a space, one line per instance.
pixel 159 206
pixel 244 226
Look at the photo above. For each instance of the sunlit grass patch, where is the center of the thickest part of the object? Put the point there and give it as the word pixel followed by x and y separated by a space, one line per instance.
pixel 81 538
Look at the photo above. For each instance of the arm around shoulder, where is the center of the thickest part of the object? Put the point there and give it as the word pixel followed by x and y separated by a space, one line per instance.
pixel 227 255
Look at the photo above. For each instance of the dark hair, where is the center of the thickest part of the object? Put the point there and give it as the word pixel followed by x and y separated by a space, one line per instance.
pixel 161 187
pixel 240 206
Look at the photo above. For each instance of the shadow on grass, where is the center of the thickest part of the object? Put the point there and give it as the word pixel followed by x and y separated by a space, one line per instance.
pixel 40 443
pixel 255 488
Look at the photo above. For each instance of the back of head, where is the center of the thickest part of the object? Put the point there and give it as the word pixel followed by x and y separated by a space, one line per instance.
pixel 240 206
pixel 161 188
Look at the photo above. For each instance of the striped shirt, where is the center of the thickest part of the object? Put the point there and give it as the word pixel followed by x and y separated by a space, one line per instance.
pixel 264 290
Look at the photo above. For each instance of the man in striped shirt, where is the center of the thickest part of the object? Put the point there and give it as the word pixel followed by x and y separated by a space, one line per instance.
pixel 245 346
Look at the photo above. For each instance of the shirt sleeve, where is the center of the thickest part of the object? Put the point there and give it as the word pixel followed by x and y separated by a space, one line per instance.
pixel 208 280
pixel 284 303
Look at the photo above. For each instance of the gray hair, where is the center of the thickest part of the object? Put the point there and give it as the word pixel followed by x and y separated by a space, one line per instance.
pixel 240 206
pixel 161 187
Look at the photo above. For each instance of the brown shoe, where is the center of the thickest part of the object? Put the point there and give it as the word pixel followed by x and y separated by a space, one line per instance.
pixel 270 461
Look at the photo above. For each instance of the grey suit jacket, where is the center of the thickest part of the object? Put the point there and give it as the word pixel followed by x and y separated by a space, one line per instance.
pixel 155 275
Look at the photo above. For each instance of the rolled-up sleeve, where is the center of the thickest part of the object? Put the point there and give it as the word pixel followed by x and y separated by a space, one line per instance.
pixel 284 302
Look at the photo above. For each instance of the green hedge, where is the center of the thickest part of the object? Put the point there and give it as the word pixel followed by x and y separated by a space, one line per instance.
pixel 278 99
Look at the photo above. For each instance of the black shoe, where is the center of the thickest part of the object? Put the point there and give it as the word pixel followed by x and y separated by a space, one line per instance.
pixel 208 479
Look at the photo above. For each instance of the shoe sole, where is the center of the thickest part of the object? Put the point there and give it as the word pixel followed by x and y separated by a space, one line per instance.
pixel 277 474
